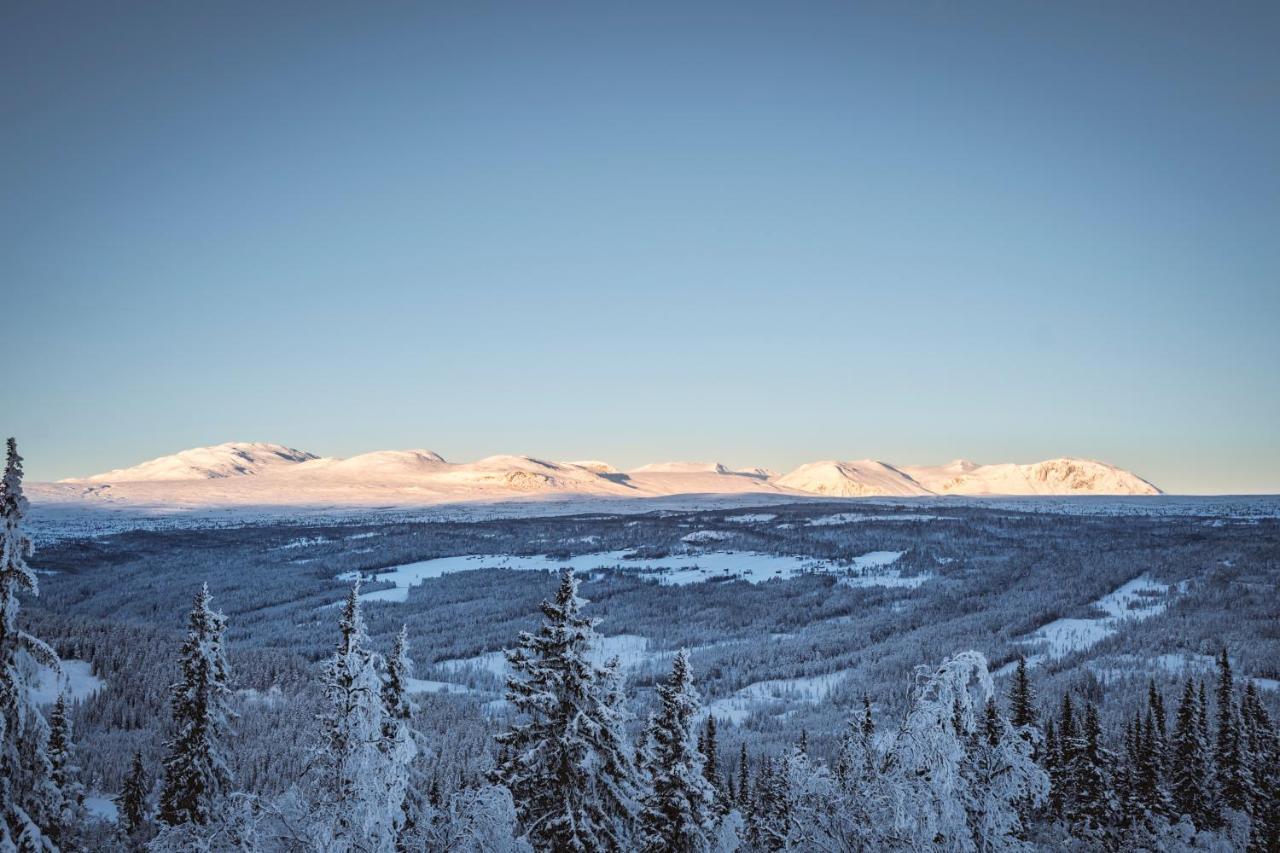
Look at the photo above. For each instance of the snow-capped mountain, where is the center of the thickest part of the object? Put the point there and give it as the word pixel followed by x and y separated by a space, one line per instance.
pixel 858 479
pixel 232 459
pixel 1051 477
pixel 254 473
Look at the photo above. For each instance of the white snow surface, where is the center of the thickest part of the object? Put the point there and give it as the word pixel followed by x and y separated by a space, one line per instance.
pixel 233 459
pixel 260 475
pixel 1131 602
pixel 77 679
pixel 871 569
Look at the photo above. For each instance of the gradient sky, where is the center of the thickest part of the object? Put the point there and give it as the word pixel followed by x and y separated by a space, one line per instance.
pixel 765 233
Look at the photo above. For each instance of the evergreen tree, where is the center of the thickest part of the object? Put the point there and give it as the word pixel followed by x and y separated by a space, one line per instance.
pixel 1232 782
pixel 1189 766
pixel 710 749
pixel 69 793
pixel 1022 702
pixel 567 766
pixel 132 800
pixel 1091 811
pixel 1062 776
pixel 196 776
pixel 744 779
pixel 364 752
pixel 398 737
pixel 29 801
pixel 678 814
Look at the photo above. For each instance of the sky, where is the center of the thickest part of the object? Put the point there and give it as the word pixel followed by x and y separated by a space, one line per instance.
pixel 760 233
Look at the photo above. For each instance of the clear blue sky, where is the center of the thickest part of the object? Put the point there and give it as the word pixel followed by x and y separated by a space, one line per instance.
pixel 766 233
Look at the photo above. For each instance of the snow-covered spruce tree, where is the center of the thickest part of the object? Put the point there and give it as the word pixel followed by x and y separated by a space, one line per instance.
pixel 399 739
pixel 1189 769
pixel 951 788
pixel 1022 700
pixel 1093 809
pixel 709 746
pixel 1264 757
pixel 566 762
pixel 1232 778
pixel 362 774
pixel 29 801
pixel 196 776
pixel 679 803
pixel 131 802
pixel 71 813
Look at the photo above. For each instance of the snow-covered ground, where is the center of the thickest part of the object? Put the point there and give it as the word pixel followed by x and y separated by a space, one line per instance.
pixel 1138 599
pixel 102 807
pixel 809 689
pixel 77 679
pixel 856 517
pixel 1183 664
pixel 869 569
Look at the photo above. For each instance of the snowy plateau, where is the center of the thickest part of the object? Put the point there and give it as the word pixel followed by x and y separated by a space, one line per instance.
pixel 248 475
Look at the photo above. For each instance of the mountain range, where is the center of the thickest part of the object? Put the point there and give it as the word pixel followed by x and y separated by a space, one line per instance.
pixel 254 473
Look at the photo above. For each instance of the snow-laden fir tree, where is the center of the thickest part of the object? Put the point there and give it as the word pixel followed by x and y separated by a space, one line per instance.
pixel 29 801
pixel 132 801
pixel 400 739
pixel 364 754
pixel 679 803
pixel 196 775
pixel 566 763
pixel 64 775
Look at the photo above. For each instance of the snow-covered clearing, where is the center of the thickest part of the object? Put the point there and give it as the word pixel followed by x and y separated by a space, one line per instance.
pixel 631 650
pixel 809 689
pixel 1181 664
pixel 102 807
pixel 855 517
pixel 420 685
pixel 751 517
pixel 707 536
pixel 1139 599
pixel 77 680
pixel 674 570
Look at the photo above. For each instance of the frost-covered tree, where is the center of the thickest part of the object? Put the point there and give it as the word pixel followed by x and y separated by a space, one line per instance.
pixel 477 820
pixel 566 760
pixel 64 776
pixel 364 754
pixel 399 739
pixel 196 775
pixel 679 812
pixel 956 783
pixel 30 805
pixel 132 801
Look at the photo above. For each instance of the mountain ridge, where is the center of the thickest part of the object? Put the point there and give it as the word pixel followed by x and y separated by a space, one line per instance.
pixel 242 472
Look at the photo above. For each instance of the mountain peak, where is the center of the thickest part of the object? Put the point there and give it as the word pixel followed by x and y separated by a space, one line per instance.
pixel 232 459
